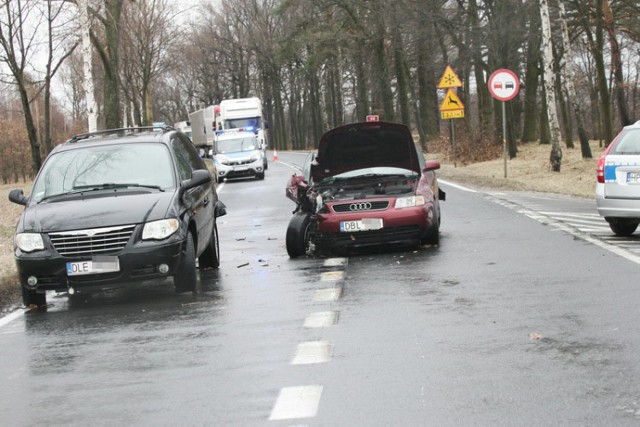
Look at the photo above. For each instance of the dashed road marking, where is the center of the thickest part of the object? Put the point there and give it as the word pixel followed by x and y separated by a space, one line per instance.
pixel 297 402
pixel 321 319
pixel 336 262
pixel 326 295
pixel 311 352
pixel 332 276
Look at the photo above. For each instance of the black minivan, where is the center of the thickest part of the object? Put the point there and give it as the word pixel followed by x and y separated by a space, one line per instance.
pixel 117 206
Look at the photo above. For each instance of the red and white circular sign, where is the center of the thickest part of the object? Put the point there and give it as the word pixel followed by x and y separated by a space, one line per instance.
pixel 503 84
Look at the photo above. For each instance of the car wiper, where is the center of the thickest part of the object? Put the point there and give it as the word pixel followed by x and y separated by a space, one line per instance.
pixel 113 185
pixel 79 189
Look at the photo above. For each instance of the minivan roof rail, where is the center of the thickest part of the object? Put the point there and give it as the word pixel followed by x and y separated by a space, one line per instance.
pixel 125 131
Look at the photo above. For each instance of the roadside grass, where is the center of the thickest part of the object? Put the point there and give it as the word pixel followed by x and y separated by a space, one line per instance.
pixel 529 171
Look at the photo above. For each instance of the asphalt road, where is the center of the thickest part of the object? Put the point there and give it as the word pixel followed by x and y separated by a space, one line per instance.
pixel 526 314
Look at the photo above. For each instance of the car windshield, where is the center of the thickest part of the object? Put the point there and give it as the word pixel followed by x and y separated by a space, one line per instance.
pixel 130 165
pixel 236 144
pixel 367 173
pixel 629 143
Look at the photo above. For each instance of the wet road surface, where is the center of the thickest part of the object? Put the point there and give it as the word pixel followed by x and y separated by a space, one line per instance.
pixel 509 321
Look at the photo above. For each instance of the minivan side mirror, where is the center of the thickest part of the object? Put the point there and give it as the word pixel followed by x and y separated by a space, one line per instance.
pixel 199 177
pixel 17 196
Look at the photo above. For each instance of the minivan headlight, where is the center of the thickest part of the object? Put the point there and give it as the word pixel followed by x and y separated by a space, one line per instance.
pixel 158 230
pixel 409 202
pixel 29 242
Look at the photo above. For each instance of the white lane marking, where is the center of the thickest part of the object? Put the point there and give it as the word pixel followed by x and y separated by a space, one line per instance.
pixel 220 187
pixel 574 215
pixel 294 167
pixel 332 276
pixel 11 317
pixel 581 235
pixel 321 319
pixel 311 352
pixel 335 262
pixel 331 294
pixel 459 187
pixel 297 402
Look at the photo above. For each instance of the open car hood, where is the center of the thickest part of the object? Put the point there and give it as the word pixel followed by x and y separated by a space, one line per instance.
pixel 365 145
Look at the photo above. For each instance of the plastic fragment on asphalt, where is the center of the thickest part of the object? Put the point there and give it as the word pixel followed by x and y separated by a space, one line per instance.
pixel 243 265
pixel 534 336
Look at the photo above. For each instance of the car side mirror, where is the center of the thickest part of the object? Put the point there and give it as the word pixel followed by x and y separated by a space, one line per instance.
pixel 17 196
pixel 431 165
pixel 198 177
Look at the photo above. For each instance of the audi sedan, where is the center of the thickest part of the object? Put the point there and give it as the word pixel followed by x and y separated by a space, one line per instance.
pixel 618 187
pixel 368 185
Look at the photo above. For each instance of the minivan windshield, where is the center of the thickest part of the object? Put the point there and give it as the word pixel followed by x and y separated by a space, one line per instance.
pixel 106 166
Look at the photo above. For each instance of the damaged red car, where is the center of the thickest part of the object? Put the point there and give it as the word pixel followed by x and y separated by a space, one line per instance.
pixel 368 185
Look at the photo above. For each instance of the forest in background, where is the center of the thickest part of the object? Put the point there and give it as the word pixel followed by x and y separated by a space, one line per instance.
pixel 317 64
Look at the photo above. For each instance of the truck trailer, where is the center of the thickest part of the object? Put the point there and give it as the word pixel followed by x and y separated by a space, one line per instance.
pixel 203 128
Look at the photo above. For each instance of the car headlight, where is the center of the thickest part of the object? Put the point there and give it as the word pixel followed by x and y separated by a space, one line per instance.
pixel 158 230
pixel 409 202
pixel 221 159
pixel 254 157
pixel 29 242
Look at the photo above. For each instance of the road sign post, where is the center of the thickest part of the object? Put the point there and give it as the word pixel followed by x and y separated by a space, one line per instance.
pixel 504 86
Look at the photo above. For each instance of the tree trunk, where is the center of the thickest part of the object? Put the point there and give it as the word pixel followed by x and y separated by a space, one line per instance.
pixel 616 64
pixel 111 65
pixel 603 89
pixel 529 128
pixel 87 58
pixel 549 82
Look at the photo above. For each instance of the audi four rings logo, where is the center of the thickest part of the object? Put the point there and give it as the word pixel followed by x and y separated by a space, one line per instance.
pixel 361 206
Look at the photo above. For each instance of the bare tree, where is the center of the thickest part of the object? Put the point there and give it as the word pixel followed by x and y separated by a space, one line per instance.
pixel 58 50
pixel 18 46
pixel 569 77
pixel 148 35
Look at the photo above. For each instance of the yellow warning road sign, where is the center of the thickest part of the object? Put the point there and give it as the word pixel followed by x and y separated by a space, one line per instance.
pixel 449 79
pixel 451 102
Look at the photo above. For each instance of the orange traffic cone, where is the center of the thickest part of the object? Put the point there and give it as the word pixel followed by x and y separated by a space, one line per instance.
pixel 275 155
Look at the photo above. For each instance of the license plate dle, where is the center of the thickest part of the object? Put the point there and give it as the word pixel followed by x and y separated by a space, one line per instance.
pixel 96 265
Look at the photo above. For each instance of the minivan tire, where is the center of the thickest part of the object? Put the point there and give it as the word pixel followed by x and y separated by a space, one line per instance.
pixel 185 277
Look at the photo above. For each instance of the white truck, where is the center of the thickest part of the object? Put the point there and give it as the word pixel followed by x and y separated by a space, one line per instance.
pixel 203 128
pixel 184 127
pixel 245 114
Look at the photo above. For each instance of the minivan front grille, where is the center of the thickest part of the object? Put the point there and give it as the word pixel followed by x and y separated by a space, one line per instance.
pixel 95 241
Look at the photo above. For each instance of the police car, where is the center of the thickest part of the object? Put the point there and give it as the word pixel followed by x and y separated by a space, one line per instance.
pixel 237 154
pixel 618 187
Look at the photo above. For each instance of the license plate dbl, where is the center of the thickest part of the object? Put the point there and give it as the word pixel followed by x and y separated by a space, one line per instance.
pixel 361 225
